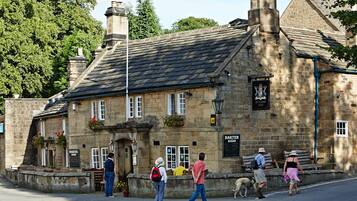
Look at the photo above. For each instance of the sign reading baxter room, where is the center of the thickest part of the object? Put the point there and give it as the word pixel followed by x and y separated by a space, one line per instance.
pixel 231 145
pixel 261 94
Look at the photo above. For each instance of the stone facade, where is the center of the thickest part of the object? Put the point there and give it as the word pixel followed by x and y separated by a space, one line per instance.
pixel 303 14
pixel 19 129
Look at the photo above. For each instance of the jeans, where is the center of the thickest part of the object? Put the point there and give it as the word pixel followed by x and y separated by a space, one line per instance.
pixel 200 189
pixel 159 189
pixel 109 181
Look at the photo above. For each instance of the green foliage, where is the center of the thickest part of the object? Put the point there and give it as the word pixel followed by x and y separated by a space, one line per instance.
pixel 348 19
pixel 192 23
pixel 36 39
pixel 174 121
pixel 38 141
pixel 145 23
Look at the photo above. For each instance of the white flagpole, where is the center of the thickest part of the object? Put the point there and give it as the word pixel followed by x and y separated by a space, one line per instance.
pixel 127 74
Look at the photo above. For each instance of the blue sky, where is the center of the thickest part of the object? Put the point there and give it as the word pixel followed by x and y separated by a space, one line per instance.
pixel 170 11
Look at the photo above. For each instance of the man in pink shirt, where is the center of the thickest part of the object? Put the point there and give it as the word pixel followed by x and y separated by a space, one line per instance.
pixel 198 173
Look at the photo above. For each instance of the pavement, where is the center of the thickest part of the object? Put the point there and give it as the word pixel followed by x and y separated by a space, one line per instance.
pixel 341 190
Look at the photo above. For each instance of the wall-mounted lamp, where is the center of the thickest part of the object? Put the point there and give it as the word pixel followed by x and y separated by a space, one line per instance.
pixel 188 94
pixel 217 104
pixel 227 73
pixel 75 105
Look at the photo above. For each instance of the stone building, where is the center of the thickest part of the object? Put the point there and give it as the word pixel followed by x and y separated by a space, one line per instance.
pixel 261 71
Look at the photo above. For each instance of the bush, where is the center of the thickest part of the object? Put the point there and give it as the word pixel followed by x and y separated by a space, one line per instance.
pixel 174 121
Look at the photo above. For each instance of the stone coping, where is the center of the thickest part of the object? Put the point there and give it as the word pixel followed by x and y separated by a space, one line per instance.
pixel 51 174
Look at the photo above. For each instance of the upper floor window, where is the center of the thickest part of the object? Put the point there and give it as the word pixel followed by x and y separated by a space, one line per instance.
pixel 42 128
pixel 176 104
pixel 342 128
pixel 135 107
pixel 64 126
pixel 98 110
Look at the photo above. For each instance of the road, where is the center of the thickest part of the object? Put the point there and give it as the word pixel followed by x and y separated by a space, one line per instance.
pixel 345 190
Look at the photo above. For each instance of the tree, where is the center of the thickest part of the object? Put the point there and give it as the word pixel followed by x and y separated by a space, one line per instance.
pixel 146 23
pixel 192 23
pixel 348 19
pixel 36 39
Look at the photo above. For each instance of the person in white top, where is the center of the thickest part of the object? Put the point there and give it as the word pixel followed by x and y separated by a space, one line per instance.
pixel 159 185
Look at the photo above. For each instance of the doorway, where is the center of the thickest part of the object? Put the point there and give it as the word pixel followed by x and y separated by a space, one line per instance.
pixel 124 158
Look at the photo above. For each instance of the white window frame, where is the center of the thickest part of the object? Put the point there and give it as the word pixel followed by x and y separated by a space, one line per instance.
pixel 94 109
pixel 43 157
pixel 101 110
pixel 171 164
pixel 171 104
pixel 64 126
pixel 340 131
pixel 104 151
pixel 131 109
pixel 184 158
pixel 138 106
pixel 95 158
pixel 43 128
pixel 181 104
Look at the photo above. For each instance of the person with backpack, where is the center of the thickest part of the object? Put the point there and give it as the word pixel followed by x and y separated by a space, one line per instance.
pixel 109 175
pixel 198 174
pixel 159 177
pixel 259 175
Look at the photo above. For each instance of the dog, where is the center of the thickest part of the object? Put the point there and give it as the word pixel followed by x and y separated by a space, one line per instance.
pixel 242 185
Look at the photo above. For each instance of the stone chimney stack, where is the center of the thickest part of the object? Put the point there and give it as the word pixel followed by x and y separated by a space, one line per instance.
pixel 351 39
pixel 76 66
pixel 117 23
pixel 264 13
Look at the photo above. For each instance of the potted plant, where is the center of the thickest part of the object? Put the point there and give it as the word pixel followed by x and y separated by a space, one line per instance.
pixel 95 124
pixel 120 185
pixel 61 139
pixel 174 121
pixel 38 141
pixel 126 190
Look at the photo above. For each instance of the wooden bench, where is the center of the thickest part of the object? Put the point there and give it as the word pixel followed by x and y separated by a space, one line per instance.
pixel 248 159
pixel 98 175
pixel 305 160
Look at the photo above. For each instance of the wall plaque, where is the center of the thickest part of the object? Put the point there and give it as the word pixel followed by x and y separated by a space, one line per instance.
pixel 74 158
pixel 261 94
pixel 231 145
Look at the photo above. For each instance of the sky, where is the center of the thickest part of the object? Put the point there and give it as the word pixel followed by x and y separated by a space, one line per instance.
pixel 170 11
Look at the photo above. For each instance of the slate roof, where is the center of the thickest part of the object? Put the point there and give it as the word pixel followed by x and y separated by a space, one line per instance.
pixel 54 109
pixel 310 42
pixel 182 60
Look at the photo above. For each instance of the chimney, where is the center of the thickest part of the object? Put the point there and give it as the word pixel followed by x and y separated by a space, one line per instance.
pixel 117 23
pixel 76 66
pixel 264 13
pixel 351 39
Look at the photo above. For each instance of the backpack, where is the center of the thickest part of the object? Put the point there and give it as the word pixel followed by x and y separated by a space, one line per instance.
pixel 254 164
pixel 155 174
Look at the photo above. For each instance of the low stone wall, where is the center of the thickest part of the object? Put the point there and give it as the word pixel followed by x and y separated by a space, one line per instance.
pixel 221 185
pixel 70 182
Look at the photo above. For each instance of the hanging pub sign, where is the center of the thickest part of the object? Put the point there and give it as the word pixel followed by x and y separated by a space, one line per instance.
pixel 213 120
pixel 74 158
pixel 231 145
pixel 261 95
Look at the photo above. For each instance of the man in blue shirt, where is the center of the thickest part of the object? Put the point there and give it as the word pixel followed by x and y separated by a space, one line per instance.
pixel 259 174
pixel 109 175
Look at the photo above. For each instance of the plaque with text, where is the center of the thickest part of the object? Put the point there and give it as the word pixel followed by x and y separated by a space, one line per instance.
pixel 261 95
pixel 74 158
pixel 231 145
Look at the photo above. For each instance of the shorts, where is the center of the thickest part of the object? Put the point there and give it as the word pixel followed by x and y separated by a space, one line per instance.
pixel 259 176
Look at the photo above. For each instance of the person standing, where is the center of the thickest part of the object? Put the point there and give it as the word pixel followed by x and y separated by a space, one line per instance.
pixel 159 177
pixel 259 175
pixel 291 169
pixel 109 175
pixel 198 174
pixel 179 170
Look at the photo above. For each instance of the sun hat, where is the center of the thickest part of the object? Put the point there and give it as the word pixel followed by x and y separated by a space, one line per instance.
pixel 261 150
pixel 159 161
pixel 293 153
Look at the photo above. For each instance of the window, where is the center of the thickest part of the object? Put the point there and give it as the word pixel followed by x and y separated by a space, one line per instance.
pixel 135 108
pixel 176 104
pixel 171 106
pixel 43 157
pixel 98 110
pixel 181 104
pixel 342 128
pixel 170 157
pixel 42 128
pixel 184 156
pixel 95 158
pixel 104 153
pixel 64 126
pixel 138 106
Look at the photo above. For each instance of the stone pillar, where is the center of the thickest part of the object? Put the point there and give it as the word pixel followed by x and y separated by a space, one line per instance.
pixel 76 67
pixel 265 14
pixel 117 23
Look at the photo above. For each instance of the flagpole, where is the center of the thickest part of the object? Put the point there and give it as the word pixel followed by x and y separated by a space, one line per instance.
pixel 127 74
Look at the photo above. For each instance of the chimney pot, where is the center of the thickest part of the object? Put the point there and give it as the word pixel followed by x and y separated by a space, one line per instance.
pixel 117 23
pixel 264 13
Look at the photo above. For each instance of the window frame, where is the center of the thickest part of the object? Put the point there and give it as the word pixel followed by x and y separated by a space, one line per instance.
pixel 101 110
pixel 104 156
pixel 184 154
pixel 95 163
pixel 181 106
pixel 339 130
pixel 167 157
pixel 171 104
pixel 138 106
pixel 43 128
pixel 43 157
pixel 94 109
pixel 131 108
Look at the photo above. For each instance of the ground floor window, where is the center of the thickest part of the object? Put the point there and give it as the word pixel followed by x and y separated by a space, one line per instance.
pixel 95 158
pixel 342 128
pixel 99 156
pixel 175 155
pixel 104 155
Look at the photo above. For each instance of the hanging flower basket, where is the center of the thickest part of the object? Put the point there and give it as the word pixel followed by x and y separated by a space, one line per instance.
pixel 174 121
pixel 95 124
pixel 61 139
pixel 38 141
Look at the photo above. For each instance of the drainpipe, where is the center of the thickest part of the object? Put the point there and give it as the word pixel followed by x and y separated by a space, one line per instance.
pixel 317 77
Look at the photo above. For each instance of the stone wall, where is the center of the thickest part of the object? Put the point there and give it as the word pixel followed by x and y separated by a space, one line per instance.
pixel 338 101
pixel 49 182
pixel 2 153
pixel 220 185
pixel 19 129
pixel 302 14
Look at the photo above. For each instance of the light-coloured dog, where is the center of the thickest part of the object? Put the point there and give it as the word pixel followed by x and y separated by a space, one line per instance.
pixel 242 185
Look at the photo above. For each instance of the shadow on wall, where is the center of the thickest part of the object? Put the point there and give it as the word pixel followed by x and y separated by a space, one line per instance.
pixel 30 157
